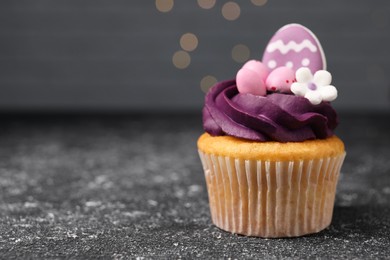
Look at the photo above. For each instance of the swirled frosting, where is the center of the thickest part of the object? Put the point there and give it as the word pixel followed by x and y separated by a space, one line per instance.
pixel 274 117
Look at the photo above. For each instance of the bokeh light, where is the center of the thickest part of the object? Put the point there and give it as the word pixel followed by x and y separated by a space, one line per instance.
pixel 206 4
pixel 207 82
pixel 231 11
pixel 189 41
pixel 181 59
pixel 240 53
pixel 164 5
pixel 259 2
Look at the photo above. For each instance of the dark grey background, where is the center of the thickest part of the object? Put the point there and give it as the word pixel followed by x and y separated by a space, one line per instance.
pixel 115 55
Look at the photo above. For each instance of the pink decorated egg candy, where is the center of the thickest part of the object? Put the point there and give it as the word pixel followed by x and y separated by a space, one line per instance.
pixel 258 67
pixel 251 78
pixel 249 81
pixel 280 80
pixel 294 46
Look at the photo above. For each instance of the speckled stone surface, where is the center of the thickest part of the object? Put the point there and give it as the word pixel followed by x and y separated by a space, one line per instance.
pixel 132 186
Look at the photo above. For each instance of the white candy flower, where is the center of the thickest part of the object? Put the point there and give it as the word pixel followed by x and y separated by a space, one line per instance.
pixel 315 88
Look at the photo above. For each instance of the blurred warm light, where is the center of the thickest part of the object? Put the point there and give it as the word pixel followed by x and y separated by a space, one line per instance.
pixel 181 59
pixel 164 5
pixel 207 82
pixel 240 53
pixel 206 4
pixel 231 11
pixel 259 2
pixel 189 41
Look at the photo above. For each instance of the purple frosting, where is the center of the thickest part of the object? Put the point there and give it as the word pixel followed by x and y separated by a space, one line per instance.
pixel 274 117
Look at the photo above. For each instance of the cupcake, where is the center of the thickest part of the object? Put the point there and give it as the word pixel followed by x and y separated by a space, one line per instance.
pixel 269 153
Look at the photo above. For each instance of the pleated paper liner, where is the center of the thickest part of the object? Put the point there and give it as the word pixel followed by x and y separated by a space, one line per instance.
pixel 271 199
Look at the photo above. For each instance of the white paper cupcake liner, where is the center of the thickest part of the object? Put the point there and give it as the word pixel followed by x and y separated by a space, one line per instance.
pixel 271 199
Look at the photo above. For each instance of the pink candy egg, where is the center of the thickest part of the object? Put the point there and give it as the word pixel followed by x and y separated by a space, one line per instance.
pixel 258 67
pixel 280 80
pixel 251 78
pixel 249 81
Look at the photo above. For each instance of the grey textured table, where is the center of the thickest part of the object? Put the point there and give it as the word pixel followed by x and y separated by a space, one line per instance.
pixel 121 186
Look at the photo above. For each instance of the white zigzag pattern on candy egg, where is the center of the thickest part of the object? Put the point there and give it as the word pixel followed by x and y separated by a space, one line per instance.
pixel 291 45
